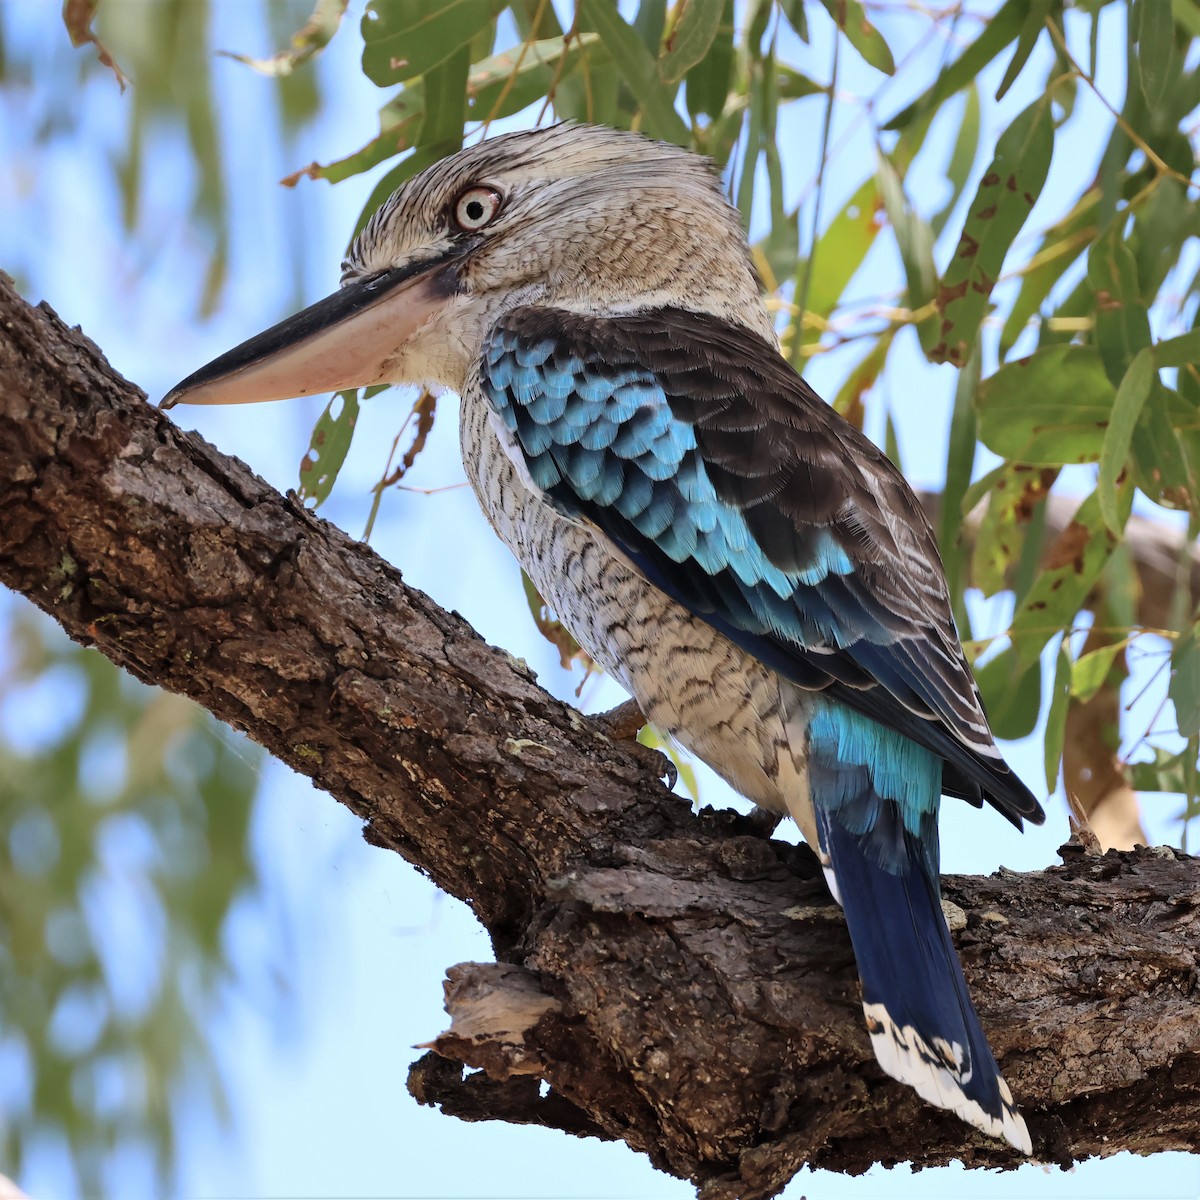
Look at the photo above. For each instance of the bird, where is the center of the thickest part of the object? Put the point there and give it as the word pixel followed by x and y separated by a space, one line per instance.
pixel 752 569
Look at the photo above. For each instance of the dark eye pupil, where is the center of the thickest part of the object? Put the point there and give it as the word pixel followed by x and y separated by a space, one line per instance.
pixel 474 210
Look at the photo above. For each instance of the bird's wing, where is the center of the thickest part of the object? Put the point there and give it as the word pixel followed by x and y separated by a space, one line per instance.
pixel 697 449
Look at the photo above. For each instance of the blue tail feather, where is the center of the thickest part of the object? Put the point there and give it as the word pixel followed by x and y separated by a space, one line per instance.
pixel 882 857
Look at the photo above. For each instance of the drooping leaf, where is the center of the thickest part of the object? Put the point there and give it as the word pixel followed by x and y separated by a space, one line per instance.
pixel 1165 449
pixel 1122 322
pixel 960 461
pixel 1056 719
pixel 1155 56
pixel 797 18
pixel 709 81
pixel 1114 452
pixel 1032 28
pixel 1070 568
pixel 851 18
pixel 446 102
pixel 690 39
pixel 849 399
pixel 327 449
pixel 1089 671
pixel 1007 193
pixel 840 252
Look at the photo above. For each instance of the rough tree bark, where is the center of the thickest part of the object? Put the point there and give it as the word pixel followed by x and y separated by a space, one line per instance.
pixel 683 983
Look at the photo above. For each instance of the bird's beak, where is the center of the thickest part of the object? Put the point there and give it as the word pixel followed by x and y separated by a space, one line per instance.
pixel 347 340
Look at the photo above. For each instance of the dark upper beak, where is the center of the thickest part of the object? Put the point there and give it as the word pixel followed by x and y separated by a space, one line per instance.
pixel 347 340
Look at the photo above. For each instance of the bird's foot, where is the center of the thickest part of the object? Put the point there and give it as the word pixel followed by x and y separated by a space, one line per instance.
pixel 623 724
pixel 762 821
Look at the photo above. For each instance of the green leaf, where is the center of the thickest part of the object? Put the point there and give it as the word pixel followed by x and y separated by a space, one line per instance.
pixel 399 124
pixel 709 81
pixel 446 102
pixel 840 251
pixel 1182 351
pixel 795 85
pixel 1071 567
pixel 1166 448
pixel 1015 493
pixel 1122 323
pixel 1089 671
pixel 331 437
pixel 1012 693
pixel 848 402
pixel 851 18
pixel 638 69
pixel 1187 15
pixel 797 18
pixel 1166 772
pixel 689 41
pixel 1114 452
pixel 1049 409
pixel 1007 192
pixel 406 38
pixel 1056 719
pixel 1001 29
pixel 1032 28
pixel 1154 48
pixel 1184 690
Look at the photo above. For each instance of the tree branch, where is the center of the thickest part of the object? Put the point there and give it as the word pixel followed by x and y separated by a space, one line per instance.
pixel 683 984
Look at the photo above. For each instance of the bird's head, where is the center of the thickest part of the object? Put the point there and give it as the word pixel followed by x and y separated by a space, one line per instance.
pixel 577 217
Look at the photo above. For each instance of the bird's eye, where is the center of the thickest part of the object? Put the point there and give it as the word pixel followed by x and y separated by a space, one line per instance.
pixel 475 208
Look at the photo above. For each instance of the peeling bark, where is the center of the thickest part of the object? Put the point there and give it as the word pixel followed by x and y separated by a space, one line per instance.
pixel 682 983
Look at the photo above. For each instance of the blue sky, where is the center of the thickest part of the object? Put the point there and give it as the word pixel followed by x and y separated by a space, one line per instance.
pixel 319 1106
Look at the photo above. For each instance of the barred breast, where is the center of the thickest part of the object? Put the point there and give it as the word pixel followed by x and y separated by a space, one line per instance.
pixel 688 679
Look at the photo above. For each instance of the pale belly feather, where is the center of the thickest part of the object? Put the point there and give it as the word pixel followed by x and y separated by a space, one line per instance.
pixel 687 678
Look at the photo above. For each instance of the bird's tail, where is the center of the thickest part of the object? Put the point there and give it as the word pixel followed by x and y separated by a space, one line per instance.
pixel 877 822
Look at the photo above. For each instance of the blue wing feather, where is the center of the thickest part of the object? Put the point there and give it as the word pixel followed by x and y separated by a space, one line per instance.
pixel 737 492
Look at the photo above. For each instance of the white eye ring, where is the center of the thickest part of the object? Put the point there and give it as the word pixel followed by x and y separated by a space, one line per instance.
pixel 476 207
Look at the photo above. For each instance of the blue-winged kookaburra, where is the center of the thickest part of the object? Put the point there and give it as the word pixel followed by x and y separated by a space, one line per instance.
pixel 749 566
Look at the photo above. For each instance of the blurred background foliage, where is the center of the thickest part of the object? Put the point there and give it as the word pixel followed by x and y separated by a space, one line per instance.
pixel 124 846
pixel 1074 326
